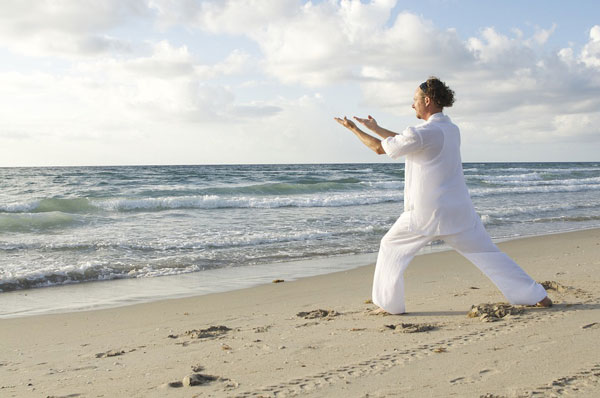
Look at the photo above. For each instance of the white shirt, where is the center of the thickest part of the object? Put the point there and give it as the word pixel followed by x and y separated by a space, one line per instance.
pixel 435 192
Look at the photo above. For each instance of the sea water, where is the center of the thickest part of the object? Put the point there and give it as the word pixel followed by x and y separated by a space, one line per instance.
pixel 228 226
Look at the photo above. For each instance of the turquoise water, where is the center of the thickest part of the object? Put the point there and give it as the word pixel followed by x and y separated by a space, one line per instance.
pixel 69 225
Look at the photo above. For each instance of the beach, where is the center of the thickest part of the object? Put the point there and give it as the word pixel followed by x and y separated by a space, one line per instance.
pixel 223 198
pixel 314 337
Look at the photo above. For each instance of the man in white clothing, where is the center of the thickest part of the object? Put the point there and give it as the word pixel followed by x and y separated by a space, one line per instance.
pixel 437 204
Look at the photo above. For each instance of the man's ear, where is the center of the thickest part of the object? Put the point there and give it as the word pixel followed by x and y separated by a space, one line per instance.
pixel 427 101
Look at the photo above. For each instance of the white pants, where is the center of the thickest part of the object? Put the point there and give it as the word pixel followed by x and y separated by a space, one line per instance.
pixel 399 246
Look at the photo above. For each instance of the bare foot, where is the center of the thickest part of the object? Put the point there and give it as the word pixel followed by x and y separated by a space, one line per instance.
pixel 379 311
pixel 545 303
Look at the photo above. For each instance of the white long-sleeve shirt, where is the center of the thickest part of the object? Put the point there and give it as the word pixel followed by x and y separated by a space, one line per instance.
pixel 435 192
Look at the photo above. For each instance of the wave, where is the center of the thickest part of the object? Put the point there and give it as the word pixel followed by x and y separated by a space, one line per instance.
pixel 480 192
pixel 300 193
pixel 569 170
pixel 267 196
pixel 508 216
pixel 379 192
pixel 504 169
pixel 224 240
pixel 74 205
pixel 535 168
pixel 202 202
pixel 45 278
pixel 36 222
pixel 526 174
pixel 512 177
pixel 397 185
pixel 300 186
pixel 537 209
pixel 222 202
pixel 179 258
pixel 566 219
pixel 285 188
pixel 526 182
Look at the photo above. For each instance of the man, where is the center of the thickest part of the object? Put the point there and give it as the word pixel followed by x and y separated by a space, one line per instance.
pixel 437 204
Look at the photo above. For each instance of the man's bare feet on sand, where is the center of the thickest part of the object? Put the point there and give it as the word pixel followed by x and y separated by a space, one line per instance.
pixel 380 311
pixel 545 303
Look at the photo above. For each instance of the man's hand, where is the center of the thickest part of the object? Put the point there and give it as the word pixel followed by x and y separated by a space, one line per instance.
pixel 370 141
pixel 369 123
pixel 349 124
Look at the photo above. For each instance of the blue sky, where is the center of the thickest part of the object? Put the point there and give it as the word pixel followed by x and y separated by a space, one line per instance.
pixel 259 81
pixel 468 17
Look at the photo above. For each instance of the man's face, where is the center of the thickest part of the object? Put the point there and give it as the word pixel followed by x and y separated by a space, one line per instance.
pixel 419 103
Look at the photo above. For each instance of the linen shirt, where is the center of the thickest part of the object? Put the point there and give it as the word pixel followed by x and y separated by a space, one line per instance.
pixel 435 192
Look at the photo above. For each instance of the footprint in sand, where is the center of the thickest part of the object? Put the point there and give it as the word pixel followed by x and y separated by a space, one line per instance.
pixel 211 332
pixel 112 353
pixel 487 312
pixel 411 327
pixel 314 314
pixel 562 289
pixel 553 285
pixel 194 379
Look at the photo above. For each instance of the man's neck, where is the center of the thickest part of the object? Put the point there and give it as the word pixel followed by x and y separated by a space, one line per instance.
pixel 427 116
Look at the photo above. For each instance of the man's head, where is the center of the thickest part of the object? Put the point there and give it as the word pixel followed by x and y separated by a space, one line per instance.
pixel 431 97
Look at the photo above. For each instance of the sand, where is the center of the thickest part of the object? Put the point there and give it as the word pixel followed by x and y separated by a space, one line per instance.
pixel 314 337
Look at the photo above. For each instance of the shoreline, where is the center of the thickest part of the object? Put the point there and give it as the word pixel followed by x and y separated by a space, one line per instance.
pixel 96 295
pixel 274 164
pixel 313 337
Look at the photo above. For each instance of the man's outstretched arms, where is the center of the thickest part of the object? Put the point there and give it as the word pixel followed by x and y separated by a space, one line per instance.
pixel 399 145
pixel 370 141
pixel 372 125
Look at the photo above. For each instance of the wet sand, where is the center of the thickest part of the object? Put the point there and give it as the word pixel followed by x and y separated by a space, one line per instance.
pixel 315 337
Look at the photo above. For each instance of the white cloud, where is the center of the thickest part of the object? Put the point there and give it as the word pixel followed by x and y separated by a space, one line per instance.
pixel 590 54
pixel 498 51
pixel 111 97
pixel 225 16
pixel 566 55
pixel 68 28
pixel 171 84
pixel 541 36
pixel 112 86
pixel 328 42
pixel 237 62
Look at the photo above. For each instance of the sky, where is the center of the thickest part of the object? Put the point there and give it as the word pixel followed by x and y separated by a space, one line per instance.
pixel 156 82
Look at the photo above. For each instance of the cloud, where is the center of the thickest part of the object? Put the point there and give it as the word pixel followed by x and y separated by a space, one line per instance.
pixel 136 68
pixel 492 48
pixel 223 16
pixel 498 78
pixel 590 54
pixel 115 97
pixel 67 28
pixel 327 42
pixel 165 62
pixel 541 36
pixel 172 84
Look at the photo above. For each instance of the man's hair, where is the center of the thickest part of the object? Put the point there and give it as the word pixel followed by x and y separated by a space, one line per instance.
pixel 438 92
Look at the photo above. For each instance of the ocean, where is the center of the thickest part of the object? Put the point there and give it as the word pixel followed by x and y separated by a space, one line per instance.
pixel 230 226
